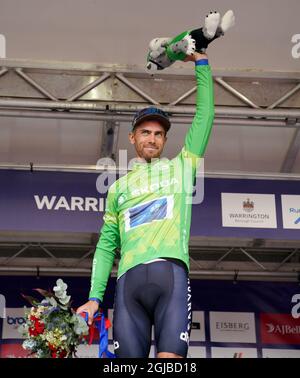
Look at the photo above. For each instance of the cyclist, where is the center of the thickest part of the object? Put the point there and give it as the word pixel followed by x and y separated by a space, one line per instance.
pixel 148 216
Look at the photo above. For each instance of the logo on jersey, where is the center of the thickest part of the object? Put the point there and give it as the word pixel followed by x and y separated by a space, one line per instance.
pixel 148 212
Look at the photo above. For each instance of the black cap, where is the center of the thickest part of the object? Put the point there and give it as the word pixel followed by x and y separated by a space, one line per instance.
pixel 148 114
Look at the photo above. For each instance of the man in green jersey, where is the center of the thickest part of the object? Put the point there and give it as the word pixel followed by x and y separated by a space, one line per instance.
pixel 148 216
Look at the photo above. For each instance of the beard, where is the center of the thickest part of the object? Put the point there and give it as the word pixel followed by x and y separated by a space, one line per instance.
pixel 149 153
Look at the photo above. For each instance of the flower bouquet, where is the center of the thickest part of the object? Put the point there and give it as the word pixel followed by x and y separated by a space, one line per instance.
pixel 52 328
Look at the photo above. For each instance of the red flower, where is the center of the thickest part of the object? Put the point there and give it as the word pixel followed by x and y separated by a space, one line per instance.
pixel 32 332
pixel 52 347
pixel 56 353
pixel 39 327
pixel 63 354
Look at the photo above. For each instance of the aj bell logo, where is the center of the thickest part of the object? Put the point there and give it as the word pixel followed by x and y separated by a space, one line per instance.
pixel 296 48
pixel 283 329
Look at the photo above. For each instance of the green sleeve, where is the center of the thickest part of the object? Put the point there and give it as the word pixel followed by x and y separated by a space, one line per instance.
pixel 197 137
pixel 105 252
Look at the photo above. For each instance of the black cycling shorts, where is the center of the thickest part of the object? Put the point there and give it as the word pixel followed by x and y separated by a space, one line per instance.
pixel 156 294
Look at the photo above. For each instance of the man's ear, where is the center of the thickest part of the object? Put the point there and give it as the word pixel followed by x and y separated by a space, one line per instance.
pixel 131 137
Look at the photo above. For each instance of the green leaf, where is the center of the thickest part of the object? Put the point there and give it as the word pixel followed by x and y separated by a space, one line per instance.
pixel 33 301
pixel 45 293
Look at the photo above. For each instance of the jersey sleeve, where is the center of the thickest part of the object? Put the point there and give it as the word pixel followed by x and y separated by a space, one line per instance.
pixel 197 137
pixel 106 247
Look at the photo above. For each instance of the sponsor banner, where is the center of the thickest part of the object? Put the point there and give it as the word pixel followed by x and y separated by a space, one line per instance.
pixel 291 211
pixel 110 314
pixel 70 202
pixel 279 329
pixel 92 351
pixel 198 326
pixel 88 351
pixel 13 351
pixel 219 352
pixel 248 210
pixel 295 306
pixel 225 315
pixel 14 318
pixel 196 352
pixel 280 353
pixel 232 327
pixel 2 306
pixel 50 201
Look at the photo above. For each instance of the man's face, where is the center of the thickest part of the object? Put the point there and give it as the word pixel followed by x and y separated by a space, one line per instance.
pixel 149 139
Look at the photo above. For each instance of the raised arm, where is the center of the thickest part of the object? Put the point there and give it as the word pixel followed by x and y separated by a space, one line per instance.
pixel 198 135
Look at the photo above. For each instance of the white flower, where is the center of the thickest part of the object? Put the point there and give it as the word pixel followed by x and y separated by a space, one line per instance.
pixel 29 344
pixel 65 300
pixel 40 353
pixel 23 329
pixel 53 302
pixel 60 285
pixel 61 293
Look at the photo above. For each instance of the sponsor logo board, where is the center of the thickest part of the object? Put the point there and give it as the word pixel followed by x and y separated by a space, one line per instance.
pixel 196 352
pixel 280 353
pixel 198 328
pixel 219 352
pixel 232 327
pixel 279 329
pixel 15 317
pixel 290 211
pixel 248 210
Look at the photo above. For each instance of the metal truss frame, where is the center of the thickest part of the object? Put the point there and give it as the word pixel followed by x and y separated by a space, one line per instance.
pixel 136 95
pixel 112 93
pixel 244 262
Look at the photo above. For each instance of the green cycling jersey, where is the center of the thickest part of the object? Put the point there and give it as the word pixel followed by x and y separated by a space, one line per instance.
pixel 148 211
